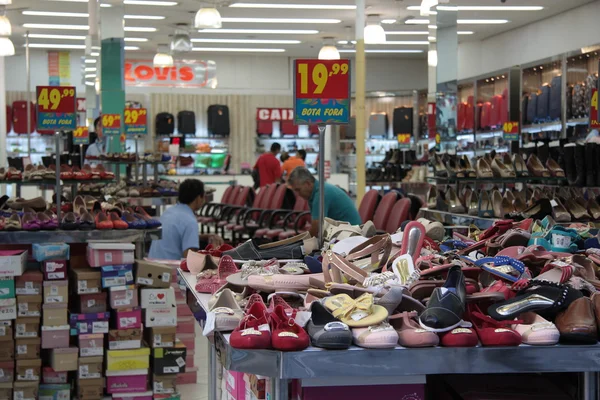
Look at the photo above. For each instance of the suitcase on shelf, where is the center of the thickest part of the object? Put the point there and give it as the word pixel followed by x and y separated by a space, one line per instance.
pixel 569 101
pixel 218 120
pixel 378 125
pixel 461 116
pixel 543 104
pixel 288 128
pixel 264 128
pixel 486 115
pixel 504 108
pixel 470 113
pixel 9 119
pixel 496 110
pixel 348 131
pixel 20 117
pixel 578 108
pixel 403 120
pixel 555 98
pixel 532 108
pixel 186 122
pixel 164 124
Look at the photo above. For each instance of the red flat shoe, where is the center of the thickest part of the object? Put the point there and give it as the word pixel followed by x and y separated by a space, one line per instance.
pixel 80 175
pixel 253 332
pixel 117 222
pixel 66 172
pixel 492 332
pixel 89 173
pixel 287 335
pixel 103 222
pixel 104 174
pixel 459 337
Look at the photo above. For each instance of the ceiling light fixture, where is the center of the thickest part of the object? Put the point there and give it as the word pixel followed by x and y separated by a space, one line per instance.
pixel 139 29
pixel 388 21
pixel 90 61
pixel 162 57
pixel 420 21
pixel 56 46
pixel 408 42
pixel 247 41
pixel 263 31
pixel 283 20
pixel 484 8
pixel 346 41
pixel 7 48
pixel 90 69
pixel 385 51
pixel 374 33
pixel 295 6
pixel 181 42
pixel 208 18
pixel 426 6
pixel 136 39
pixel 415 33
pixel 432 58
pixel 47 36
pixel 5 27
pixel 148 3
pixel 85 27
pixel 131 48
pixel 237 50
pixel 328 51
pixel 85 15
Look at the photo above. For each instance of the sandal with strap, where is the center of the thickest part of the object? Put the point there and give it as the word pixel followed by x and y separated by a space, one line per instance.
pixel 372 254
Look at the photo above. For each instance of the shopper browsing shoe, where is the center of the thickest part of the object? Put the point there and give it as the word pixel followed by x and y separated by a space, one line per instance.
pixel 268 167
pixel 338 205
pixel 180 232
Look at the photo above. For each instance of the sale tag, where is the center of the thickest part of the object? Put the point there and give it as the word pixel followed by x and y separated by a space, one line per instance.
pixel 594 123
pixel 511 130
pixel 56 108
pixel 136 121
pixel 81 135
pixel 403 140
pixel 111 124
pixel 321 92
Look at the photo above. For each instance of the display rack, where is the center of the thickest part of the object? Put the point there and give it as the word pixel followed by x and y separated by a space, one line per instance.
pixel 318 363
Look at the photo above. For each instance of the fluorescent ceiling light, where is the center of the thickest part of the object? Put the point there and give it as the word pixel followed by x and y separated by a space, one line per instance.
pixel 48 36
pixel 253 41
pixel 56 46
pixel 90 69
pixel 485 8
pixel 263 31
pixel 90 61
pixel 284 20
pixel 383 51
pixel 85 15
pixel 346 42
pixel 295 6
pixel 149 3
pixel 417 21
pixel 139 29
pixel 421 21
pixel 406 32
pixel 150 17
pixel 90 76
pixel 388 21
pixel 237 50
pixel 465 32
pixel 408 42
pixel 136 39
pixel 95 54
pixel 131 48
pixel 84 27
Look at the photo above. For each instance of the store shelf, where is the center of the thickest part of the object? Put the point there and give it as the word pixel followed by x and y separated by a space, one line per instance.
pixel 452 219
pixel 481 151
pixel 488 134
pixel 128 235
pixel 293 139
pixel 578 121
pixel 150 201
pixel 528 179
pixel 139 162
pixel 50 182
pixel 545 127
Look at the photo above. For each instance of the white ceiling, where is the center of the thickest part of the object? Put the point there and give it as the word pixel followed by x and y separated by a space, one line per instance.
pixel 310 44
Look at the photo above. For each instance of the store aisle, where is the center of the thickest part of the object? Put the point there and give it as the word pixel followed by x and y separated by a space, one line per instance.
pixel 198 391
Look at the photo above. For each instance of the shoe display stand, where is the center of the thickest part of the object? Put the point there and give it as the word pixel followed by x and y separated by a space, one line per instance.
pixel 455 221
pixel 136 165
pixel 49 183
pixel 552 181
pixel 357 362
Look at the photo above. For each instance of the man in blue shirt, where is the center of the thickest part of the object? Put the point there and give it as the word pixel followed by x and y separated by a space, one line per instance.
pixel 338 205
pixel 180 232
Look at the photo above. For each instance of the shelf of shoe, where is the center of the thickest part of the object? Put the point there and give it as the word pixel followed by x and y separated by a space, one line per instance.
pixel 150 201
pixel 198 138
pixel 481 135
pixel 139 162
pixel 482 151
pixel 526 179
pixel 127 235
pixel 455 219
pixel 578 121
pixel 50 182
pixel 543 127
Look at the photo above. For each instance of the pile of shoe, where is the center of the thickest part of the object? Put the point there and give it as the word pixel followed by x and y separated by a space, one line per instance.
pixel 398 166
pixel 41 173
pixel 564 204
pixel 529 282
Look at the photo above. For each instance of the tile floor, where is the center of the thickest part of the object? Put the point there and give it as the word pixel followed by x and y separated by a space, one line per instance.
pixel 198 391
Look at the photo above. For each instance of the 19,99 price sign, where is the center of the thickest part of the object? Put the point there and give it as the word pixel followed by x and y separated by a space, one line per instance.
pixel 136 121
pixel 111 124
pixel 56 109
pixel 321 92
pixel 81 135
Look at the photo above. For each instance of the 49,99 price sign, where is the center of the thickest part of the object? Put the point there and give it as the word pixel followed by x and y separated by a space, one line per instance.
pixel 136 121
pixel 111 124
pixel 56 109
pixel 321 92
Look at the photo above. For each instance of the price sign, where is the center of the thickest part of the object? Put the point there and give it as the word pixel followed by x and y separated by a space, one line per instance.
pixel 404 140
pixel 594 120
pixel 56 108
pixel 136 121
pixel 321 92
pixel 81 135
pixel 511 130
pixel 111 124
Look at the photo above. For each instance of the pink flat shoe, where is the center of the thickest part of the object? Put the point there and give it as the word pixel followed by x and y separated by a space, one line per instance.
pixel 536 331
pixel 410 334
pixel 381 336
pixel 282 282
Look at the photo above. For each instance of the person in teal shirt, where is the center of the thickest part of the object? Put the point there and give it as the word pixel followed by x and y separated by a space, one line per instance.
pixel 338 205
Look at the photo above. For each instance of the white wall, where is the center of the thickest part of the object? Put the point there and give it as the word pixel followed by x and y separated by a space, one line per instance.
pixel 562 33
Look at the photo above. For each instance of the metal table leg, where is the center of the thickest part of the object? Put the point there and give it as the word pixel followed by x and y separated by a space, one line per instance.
pixel 280 388
pixel 588 386
pixel 212 371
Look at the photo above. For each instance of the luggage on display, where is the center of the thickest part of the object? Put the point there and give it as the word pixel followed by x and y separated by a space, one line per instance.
pixel 578 107
pixel 378 124
pixel 218 120
pixel 264 128
pixel 504 108
pixel 461 117
pixel 403 120
pixel 470 113
pixel 20 117
pixel 486 115
pixel 288 128
pixel 9 118
pixel 591 82
pixel 348 131
pixel 186 122
pixel 543 104
pixel 164 124
pixel 496 110
pixel 555 98
pixel 532 108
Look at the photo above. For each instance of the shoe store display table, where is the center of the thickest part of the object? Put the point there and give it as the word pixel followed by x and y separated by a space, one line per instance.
pixel 456 220
pixel 363 363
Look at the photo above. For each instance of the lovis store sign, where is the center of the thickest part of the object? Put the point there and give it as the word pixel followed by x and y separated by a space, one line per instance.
pixel 183 74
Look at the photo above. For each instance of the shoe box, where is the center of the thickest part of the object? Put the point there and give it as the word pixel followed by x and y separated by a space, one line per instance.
pixel 53 391
pixel 56 292
pixel 55 315
pixel 90 389
pixel 7 288
pixel 50 251
pixel 64 359
pixel 13 262
pixel 128 318
pixel 153 274
pixel 27 327
pixel 102 254
pixel 6 331
pixel 124 339
pixel 90 367
pixel 26 390
pixel 126 381
pixel 54 337
pixel 93 303
pixel 29 283
pixel 7 371
pixel 91 345
pixel 133 396
pixel 164 384
pixel 29 306
pixel 117 275
pixel 169 360
pixel 123 297
pixel 8 309
pixel 123 360
pixel 28 370
pixel 157 298
pixel 6 390
pixel 51 376
pixel 54 270
pixel 86 280
pixel 95 323
pixel 28 348
pixel 161 336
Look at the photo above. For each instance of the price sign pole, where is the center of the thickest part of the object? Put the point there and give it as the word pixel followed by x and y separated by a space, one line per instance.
pixel 321 97
pixel 56 110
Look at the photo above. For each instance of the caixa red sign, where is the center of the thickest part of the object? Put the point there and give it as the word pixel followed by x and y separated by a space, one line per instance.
pixel 275 114
pixel 184 73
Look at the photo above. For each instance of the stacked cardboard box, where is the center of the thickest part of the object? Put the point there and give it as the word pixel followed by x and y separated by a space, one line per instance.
pixel 186 333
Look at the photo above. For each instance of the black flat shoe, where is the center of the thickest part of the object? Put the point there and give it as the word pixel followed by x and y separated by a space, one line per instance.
pixel 446 306
pixel 539 210
pixel 69 222
pixel 326 331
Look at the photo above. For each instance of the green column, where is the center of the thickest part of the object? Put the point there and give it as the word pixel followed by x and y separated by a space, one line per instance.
pixel 112 86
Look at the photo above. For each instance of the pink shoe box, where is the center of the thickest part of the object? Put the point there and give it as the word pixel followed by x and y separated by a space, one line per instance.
pixel 93 303
pixel 189 359
pixel 123 297
pixel 101 254
pixel 123 339
pixel 183 310
pixel 187 339
pixel 186 325
pixel 127 381
pixel 56 292
pixel 30 283
pixel 190 376
pixel 132 396
pixel 82 324
pixel 55 315
pixel 7 371
pixel 54 270
pixel 128 318
pixel 51 376
pixel 235 384
pixel 55 337
pixel 91 345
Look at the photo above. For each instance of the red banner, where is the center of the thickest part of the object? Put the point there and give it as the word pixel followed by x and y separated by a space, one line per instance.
pixel 322 79
pixel 274 114
pixel 52 99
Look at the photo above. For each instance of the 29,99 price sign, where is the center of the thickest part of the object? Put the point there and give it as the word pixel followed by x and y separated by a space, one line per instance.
pixel 56 109
pixel 111 124
pixel 136 121
pixel 81 135
pixel 321 92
